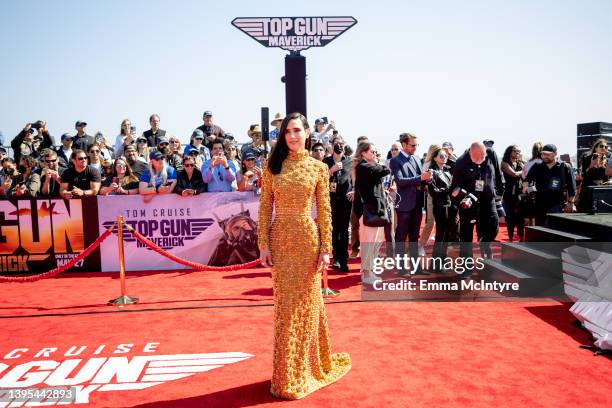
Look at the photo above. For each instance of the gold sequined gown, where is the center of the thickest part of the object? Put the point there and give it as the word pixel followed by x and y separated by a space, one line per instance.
pixel 303 361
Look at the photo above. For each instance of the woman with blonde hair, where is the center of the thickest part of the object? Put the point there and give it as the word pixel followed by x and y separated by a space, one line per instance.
pixel 125 136
pixel 142 148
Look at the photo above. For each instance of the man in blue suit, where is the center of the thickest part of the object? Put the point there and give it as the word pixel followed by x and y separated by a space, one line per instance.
pixel 410 180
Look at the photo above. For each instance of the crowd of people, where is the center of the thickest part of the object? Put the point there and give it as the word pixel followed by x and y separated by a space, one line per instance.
pixel 153 162
pixel 456 192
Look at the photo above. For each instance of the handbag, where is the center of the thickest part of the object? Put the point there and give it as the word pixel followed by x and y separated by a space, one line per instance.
pixel 374 220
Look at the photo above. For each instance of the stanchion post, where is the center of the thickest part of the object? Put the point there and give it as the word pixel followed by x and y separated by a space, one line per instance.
pixel 124 299
pixel 326 291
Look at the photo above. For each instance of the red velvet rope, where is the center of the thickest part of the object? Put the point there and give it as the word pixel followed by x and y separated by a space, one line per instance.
pixel 62 268
pixel 192 265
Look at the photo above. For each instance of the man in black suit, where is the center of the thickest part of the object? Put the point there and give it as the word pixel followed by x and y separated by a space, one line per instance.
pixel 152 135
pixel 409 178
pixel 339 185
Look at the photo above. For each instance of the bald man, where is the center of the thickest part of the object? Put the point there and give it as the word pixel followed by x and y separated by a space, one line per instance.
pixel 477 181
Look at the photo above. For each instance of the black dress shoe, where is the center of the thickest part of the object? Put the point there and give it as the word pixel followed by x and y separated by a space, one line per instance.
pixel 336 265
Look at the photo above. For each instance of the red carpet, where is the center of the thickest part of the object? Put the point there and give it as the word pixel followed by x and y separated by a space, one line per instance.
pixel 413 354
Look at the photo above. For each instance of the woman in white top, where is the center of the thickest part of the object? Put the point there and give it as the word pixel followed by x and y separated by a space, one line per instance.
pixel 124 137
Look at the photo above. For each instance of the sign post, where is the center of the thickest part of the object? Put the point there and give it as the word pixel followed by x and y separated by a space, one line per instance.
pixel 294 34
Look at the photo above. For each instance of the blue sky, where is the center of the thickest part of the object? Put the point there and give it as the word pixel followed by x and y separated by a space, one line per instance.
pixel 513 71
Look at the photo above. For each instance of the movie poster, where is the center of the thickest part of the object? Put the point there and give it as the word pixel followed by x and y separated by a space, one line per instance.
pixel 212 229
pixel 37 235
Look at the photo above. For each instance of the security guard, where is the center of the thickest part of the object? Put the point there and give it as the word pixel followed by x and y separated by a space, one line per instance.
pixel 477 181
pixel 555 185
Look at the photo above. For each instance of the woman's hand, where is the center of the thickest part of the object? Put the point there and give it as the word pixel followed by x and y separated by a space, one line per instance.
pixel 265 257
pixel 323 260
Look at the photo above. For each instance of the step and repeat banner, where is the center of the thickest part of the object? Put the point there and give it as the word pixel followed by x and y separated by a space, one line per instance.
pixel 217 229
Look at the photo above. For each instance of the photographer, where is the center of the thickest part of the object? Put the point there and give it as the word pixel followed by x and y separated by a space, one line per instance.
pixel 50 176
pixel 323 131
pixel 555 187
pixel 217 172
pixel 28 144
pixel 27 183
pixel 80 180
pixel 593 171
pixel 477 183
pixel 8 172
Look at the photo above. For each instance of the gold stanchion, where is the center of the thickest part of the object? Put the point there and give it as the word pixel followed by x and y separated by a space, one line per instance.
pixel 325 290
pixel 123 299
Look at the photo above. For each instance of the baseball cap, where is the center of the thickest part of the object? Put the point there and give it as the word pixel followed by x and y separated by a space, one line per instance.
pixel 193 150
pixel 162 139
pixel 207 113
pixel 198 134
pixel 250 154
pixel 549 148
pixel 66 136
pixel 80 123
pixel 139 138
pixel 488 142
pixel 319 120
pixel 155 154
pixel 229 136
pixel 447 145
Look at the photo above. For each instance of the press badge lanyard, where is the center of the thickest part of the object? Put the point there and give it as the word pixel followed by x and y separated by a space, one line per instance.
pixel 480 182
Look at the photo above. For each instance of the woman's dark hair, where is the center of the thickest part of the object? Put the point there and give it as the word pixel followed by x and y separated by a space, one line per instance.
pixel 281 150
pixel 434 153
pixel 508 153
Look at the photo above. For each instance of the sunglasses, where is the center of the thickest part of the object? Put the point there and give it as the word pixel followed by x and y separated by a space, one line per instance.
pixel 94 151
pixel 50 161
pixel 395 149
pixel 163 144
pixel 187 165
pixel 602 145
pixel 443 156
pixel 82 158
pixel 142 141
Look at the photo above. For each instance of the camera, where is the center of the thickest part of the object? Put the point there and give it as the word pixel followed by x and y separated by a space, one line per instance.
pixel 467 199
pixel 36 125
pixel 10 171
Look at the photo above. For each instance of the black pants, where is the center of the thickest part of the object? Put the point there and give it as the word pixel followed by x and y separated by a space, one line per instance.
pixel 444 217
pixel 408 226
pixel 484 216
pixel 341 215
pixel 514 217
pixel 540 215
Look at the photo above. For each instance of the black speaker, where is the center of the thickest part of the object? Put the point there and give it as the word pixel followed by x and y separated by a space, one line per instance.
pixel 295 84
pixel 265 124
pixel 594 128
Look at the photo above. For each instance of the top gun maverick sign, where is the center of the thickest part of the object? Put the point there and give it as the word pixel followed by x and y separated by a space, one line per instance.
pixel 294 33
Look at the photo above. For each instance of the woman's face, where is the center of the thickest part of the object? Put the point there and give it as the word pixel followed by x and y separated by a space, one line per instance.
pixel 515 154
pixel 126 127
pixel 231 152
pixel 249 163
pixel 120 167
pixel 296 135
pixel 157 164
pixel 441 158
pixel 370 155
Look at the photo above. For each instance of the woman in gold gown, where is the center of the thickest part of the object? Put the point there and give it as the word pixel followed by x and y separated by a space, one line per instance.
pixel 298 250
